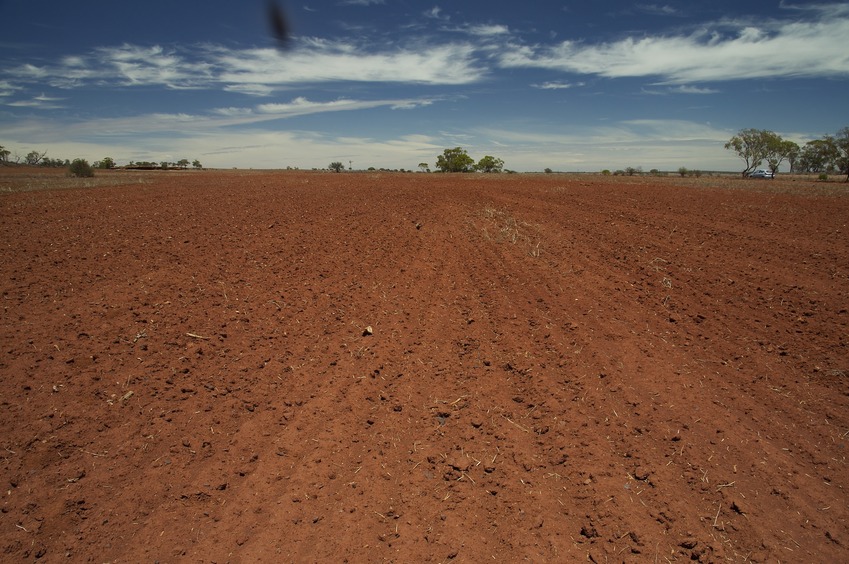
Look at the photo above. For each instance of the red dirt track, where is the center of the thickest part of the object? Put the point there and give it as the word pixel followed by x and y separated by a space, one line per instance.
pixel 558 368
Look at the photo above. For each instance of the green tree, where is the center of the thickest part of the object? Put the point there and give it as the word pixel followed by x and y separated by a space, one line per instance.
pixel 841 143
pixel 490 164
pixel 336 166
pixel 4 154
pixel 818 155
pixel 196 164
pixel 107 162
pixel 779 150
pixel 455 160
pixel 424 167
pixel 793 156
pixel 33 157
pixel 753 146
pixel 81 168
pixel 183 163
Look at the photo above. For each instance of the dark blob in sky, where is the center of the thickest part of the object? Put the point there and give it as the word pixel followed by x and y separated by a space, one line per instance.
pixel 279 24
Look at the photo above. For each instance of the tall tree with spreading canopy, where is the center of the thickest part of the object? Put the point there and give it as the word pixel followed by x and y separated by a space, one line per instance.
pixel 779 150
pixel 753 146
pixel 455 160
pixel 818 155
pixel 490 164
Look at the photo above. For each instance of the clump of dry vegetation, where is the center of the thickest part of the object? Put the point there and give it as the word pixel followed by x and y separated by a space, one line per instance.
pixel 500 226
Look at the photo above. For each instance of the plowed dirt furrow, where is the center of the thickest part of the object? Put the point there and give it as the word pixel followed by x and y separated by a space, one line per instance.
pixel 303 367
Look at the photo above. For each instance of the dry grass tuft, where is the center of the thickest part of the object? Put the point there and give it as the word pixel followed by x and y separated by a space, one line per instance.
pixel 500 226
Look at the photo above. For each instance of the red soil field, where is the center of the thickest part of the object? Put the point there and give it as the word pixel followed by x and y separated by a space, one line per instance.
pixel 240 366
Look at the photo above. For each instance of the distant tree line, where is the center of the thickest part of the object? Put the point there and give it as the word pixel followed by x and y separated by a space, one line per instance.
pixel 458 160
pixel 35 158
pixel 182 164
pixel 829 155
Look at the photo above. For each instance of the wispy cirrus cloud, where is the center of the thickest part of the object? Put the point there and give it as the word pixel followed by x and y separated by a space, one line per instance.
pixel 255 71
pixel 124 65
pixel 659 9
pixel 716 52
pixel 687 89
pixel 41 102
pixel 435 13
pixel 7 88
pixel 556 85
pixel 680 89
pixel 302 106
pixel 488 30
pixel 185 124
pixel 719 51
pixel 330 61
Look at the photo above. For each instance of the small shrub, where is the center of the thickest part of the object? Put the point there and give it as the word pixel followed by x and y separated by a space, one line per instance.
pixel 81 169
pixel 548 171
pixel 823 177
pixel 605 172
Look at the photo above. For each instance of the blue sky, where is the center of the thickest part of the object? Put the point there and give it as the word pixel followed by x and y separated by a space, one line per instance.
pixel 574 86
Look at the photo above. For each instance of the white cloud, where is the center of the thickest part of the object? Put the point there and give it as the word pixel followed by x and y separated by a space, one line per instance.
pixel 769 50
pixel 686 89
pixel 434 13
pixel 488 30
pixel 302 106
pixel 658 9
pixel 360 2
pixel 250 89
pixel 140 66
pixel 329 61
pixel 681 89
pixel 233 112
pixel 43 98
pixel 40 102
pixel 188 125
pixel 7 88
pixel 411 104
pixel 556 85
pixel 256 71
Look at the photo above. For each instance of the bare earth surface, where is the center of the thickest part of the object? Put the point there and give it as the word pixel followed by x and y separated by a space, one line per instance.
pixel 308 367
